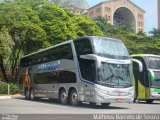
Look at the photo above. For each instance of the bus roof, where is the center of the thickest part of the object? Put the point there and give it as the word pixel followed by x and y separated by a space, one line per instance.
pixel 69 41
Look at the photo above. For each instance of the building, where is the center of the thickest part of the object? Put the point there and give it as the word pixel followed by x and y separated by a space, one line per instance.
pixel 118 11
pixel 78 11
pixel 158 14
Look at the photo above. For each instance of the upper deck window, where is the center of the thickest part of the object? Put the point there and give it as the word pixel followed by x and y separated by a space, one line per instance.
pixel 110 48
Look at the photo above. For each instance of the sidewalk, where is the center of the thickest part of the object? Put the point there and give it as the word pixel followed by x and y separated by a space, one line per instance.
pixel 10 96
pixel 5 97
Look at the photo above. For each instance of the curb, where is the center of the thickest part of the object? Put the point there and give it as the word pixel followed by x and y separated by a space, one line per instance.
pixel 9 97
pixel 5 97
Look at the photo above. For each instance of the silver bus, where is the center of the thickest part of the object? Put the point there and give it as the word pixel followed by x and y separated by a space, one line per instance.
pixel 90 69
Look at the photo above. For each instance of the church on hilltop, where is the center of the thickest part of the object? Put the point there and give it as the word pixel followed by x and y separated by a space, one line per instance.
pixel 117 11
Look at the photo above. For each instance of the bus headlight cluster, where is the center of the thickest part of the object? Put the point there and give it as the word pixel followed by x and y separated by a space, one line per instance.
pixel 100 97
pixel 131 91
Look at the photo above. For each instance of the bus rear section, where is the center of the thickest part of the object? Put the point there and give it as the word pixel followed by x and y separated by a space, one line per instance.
pixel 147 82
pixel 88 69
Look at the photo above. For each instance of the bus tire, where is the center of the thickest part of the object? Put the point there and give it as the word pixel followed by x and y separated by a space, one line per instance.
pixel 63 97
pixel 27 94
pixel 73 98
pixel 105 104
pixel 149 101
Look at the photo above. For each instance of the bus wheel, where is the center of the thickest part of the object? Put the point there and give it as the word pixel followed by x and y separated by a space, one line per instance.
pixel 27 94
pixel 105 104
pixel 149 101
pixel 74 98
pixel 63 97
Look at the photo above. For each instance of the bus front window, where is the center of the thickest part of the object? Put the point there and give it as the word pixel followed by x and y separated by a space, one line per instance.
pixel 153 62
pixel 110 48
pixel 155 79
pixel 115 75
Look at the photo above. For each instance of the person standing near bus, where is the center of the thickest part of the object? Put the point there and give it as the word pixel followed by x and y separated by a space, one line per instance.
pixel 27 80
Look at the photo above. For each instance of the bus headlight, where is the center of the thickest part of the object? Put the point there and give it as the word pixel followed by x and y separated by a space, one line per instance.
pixel 100 97
pixel 131 91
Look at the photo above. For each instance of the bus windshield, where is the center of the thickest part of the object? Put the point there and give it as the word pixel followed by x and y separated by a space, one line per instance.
pixel 115 75
pixel 153 62
pixel 155 82
pixel 110 48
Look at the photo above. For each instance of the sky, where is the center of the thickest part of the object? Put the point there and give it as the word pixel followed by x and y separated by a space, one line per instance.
pixel 150 8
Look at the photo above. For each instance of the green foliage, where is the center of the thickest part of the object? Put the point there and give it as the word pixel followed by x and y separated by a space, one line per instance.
pixel 4 88
pixel 36 24
pixel 56 23
pixel 102 23
pixel 124 27
pixel 85 26
pixel 155 33
pixel 6 43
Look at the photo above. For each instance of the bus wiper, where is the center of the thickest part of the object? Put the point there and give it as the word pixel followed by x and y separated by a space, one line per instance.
pixel 119 77
pixel 110 77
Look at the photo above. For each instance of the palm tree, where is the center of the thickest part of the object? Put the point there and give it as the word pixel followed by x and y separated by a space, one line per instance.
pixel 124 27
pixel 102 23
pixel 155 33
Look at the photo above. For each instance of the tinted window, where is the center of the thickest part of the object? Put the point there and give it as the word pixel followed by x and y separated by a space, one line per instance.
pixel 83 46
pixel 54 77
pixel 87 67
pixel 57 53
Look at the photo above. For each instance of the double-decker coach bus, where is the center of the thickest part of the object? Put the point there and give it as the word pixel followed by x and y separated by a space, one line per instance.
pixel 92 69
pixel 147 81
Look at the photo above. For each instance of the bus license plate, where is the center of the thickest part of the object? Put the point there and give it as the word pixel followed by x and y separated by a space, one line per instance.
pixel 118 99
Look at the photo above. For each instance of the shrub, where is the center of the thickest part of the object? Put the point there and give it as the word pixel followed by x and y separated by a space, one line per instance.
pixel 4 88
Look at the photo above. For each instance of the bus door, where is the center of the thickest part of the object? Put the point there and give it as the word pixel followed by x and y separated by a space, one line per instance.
pixel 136 78
pixel 141 80
pixel 88 72
pixel 86 66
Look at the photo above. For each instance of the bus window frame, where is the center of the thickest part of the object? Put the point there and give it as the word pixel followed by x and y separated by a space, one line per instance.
pixel 78 57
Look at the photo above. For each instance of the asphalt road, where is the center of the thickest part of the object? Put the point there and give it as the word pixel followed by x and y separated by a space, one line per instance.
pixel 45 106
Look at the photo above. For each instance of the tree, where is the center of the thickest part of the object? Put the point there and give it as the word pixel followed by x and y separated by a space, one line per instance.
pixel 141 33
pixel 6 44
pixel 56 23
pixel 102 23
pixel 85 26
pixel 124 27
pixel 38 24
pixel 22 23
pixel 155 33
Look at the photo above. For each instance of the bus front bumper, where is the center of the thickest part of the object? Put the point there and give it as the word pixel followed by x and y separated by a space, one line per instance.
pixel 114 97
pixel 155 96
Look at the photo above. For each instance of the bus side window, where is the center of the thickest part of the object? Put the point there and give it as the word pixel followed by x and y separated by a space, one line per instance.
pixel 87 67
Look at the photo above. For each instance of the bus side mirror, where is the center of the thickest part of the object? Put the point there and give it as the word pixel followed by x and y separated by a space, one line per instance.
pixel 92 57
pixel 139 64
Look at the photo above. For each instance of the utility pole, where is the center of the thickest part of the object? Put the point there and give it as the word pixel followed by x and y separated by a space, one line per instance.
pixel 158 2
